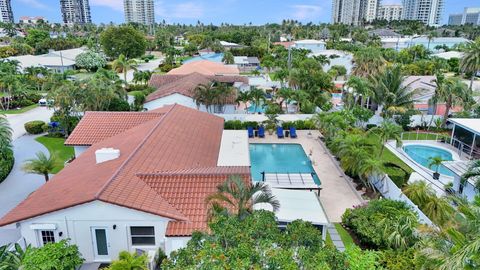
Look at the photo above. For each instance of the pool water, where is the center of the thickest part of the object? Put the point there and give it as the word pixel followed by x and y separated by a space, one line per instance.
pixel 422 154
pixel 279 158
pixel 337 95
pixel 260 108
pixel 214 57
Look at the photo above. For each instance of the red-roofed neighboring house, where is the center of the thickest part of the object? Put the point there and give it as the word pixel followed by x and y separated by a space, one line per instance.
pixel 180 89
pixel 140 184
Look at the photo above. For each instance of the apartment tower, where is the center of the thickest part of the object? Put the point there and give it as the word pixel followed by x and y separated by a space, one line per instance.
pixel 139 11
pixel 354 12
pixel 6 10
pixel 75 11
pixel 426 11
pixel 390 12
pixel 470 15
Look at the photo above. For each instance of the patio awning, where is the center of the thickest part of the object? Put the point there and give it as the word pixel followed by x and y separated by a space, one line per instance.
pixel 471 124
pixel 297 204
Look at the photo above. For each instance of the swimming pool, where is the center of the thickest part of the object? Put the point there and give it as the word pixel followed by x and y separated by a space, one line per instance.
pixel 214 57
pixel 422 154
pixel 337 95
pixel 260 108
pixel 279 158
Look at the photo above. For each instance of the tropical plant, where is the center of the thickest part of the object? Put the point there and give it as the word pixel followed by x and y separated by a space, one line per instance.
pixel 140 76
pixel 368 62
pixel 361 89
pixel 391 93
pixel 42 165
pixel 243 97
pixel 122 65
pixel 257 96
pixel 456 246
pixel 454 93
pixel 205 94
pixel 471 59
pixel 435 162
pixel 90 60
pixel 53 256
pixel 228 58
pixel 5 133
pixel 129 261
pixel 473 174
pixel 387 131
pixel 235 197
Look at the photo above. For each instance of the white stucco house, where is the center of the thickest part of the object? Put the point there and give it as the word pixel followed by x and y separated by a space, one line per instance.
pixel 57 61
pixel 142 186
pixel 179 89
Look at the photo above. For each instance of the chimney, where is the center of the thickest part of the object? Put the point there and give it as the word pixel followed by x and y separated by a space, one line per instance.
pixel 106 154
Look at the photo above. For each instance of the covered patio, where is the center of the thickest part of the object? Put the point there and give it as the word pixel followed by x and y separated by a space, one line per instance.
pixel 466 136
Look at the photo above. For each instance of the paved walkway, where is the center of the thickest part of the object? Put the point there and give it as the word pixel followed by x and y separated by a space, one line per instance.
pixel 335 236
pixel 337 193
pixel 17 121
pixel 18 185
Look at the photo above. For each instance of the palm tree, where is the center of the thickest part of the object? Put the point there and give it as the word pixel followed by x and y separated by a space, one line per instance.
pixel 235 197
pixel 204 94
pixel 285 95
pixel 391 93
pixel 5 133
pixel 243 97
pixel 368 61
pixel 439 90
pixel 419 192
pixel 386 131
pixel 454 93
pixel 471 59
pixel 438 209
pixel 432 35
pixel 456 246
pixel 370 167
pixel 122 65
pixel 228 58
pixel 42 165
pixel 473 173
pixel 361 88
pixel 257 96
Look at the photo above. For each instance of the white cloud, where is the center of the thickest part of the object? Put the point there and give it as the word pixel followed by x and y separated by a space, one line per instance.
pixel 186 10
pixel 113 4
pixel 35 4
pixel 304 12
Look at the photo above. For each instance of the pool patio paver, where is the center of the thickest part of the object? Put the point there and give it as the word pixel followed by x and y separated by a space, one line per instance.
pixel 337 193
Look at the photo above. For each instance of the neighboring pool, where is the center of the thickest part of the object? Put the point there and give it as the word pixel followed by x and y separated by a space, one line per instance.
pixel 279 158
pixel 260 108
pixel 337 95
pixel 214 57
pixel 422 154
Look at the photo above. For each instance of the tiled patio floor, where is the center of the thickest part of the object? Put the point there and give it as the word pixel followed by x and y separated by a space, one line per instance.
pixel 337 194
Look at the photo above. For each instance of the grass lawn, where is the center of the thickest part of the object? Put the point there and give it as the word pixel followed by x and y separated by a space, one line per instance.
pixel 18 111
pixel 328 240
pixel 390 157
pixel 344 235
pixel 56 148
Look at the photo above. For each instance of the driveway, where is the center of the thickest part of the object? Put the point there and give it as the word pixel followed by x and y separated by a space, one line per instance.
pixel 18 184
pixel 150 66
pixel 17 121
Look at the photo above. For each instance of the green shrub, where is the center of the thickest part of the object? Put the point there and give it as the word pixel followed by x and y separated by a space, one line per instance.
pixel 397 259
pixel 6 163
pixel 397 174
pixel 299 124
pixel 233 124
pixel 34 127
pixel 374 223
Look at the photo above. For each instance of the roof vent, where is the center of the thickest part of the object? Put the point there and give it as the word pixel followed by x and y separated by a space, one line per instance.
pixel 106 154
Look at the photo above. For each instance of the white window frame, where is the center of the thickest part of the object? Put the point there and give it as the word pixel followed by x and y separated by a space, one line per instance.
pixel 41 243
pixel 142 245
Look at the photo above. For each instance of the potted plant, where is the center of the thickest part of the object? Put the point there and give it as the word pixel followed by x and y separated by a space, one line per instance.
pixel 271 123
pixel 435 162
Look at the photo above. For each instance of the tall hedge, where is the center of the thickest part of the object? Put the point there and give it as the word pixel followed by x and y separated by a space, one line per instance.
pixel 6 163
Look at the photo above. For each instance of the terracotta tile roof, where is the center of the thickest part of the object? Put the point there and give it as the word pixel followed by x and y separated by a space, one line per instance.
pixel 196 186
pixel 182 143
pixel 205 67
pixel 185 84
pixel 98 126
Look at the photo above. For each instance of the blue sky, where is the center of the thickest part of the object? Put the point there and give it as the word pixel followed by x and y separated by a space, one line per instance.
pixel 215 11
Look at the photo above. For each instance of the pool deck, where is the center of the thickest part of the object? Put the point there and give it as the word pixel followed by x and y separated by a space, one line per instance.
pixel 423 173
pixel 337 193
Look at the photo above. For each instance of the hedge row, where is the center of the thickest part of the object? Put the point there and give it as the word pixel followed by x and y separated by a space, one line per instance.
pixel 299 124
pixel 35 127
pixel 6 164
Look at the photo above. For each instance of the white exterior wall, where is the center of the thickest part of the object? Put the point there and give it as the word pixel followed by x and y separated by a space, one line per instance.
pixel 79 150
pixel 182 100
pixel 313 47
pixel 76 223
pixel 468 190
pixel 175 243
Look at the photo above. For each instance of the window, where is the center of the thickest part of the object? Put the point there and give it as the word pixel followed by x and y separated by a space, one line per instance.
pixel 142 236
pixel 47 237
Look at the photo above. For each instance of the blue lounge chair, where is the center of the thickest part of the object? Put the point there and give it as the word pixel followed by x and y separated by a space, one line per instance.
pixel 250 132
pixel 293 132
pixel 280 132
pixel 261 131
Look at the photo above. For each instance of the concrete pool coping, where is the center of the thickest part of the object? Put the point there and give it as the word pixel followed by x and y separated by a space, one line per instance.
pixel 420 170
pixel 337 194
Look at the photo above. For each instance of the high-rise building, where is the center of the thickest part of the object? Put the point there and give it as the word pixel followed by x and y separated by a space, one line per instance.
pixel 426 11
pixel 75 11
pixel 390 12
pixel 354 12
pixel 139 11
pixel 469 16
pixel 6 11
